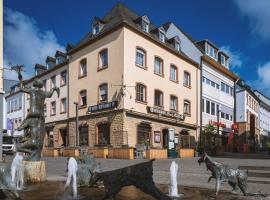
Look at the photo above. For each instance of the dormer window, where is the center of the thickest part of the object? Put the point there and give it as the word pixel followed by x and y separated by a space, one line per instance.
pixel 145 23
pixel 96 29
pixel 161 34
pixel 145 26
pixel 211 51
pixel 162 37
pixel 97 25
pixel 177 45
pixel 222 59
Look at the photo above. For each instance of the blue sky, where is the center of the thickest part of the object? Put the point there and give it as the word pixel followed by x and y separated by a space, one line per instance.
pixel 34 29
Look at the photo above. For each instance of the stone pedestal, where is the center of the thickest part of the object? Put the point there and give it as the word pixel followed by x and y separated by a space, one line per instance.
pixel 34 171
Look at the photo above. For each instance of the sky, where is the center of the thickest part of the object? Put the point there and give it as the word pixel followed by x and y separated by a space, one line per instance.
pixel 35 29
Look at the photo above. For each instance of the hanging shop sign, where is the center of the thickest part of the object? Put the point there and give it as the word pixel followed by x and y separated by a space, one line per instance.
pixel 103 106
pixel 166 113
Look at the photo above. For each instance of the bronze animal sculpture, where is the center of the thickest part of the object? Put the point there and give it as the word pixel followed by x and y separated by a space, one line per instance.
pixel 223 173
pixel 35 120
pixel 139 175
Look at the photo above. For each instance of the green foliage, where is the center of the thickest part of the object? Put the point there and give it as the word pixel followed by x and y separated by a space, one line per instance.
pixel 268 145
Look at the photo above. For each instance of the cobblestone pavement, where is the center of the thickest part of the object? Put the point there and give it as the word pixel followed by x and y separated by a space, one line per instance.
pixel 190 173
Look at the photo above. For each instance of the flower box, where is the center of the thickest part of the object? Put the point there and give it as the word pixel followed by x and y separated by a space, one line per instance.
pixel 121 153
pixel 99 152
pixel 71 152
pixel 50 152
pixel 186 153
pixel 157 153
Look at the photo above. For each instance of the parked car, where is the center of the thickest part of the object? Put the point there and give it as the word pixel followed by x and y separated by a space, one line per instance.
pixel 9 145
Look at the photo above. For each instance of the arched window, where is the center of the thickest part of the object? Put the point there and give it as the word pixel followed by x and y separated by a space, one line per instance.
pixel 187 107
pixel 173 103
pixel 140 57
pixel 103 92
pixel 83 68
pixel 140 92
pixel 187 79
pixel 83 98
pixel 173 73
pixel 158 101
pixel 103 59
pixel 158 66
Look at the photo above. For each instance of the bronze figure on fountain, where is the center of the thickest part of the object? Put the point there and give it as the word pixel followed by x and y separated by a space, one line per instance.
pixel 34 123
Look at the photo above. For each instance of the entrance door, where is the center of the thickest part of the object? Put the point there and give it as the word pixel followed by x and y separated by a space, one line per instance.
pixel 165 138
pixel 63 134
pixel 103 134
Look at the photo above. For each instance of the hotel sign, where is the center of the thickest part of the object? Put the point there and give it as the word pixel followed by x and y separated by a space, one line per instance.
pixel 103 106
pixel 166 113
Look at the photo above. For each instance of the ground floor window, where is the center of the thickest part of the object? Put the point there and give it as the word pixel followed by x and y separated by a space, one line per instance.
pixel 83 131
pixel 143 133
pixel 103 134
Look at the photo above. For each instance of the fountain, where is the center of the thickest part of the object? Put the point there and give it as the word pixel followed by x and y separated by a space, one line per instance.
pixel 173 189
pixel 17 171
pixel 72 173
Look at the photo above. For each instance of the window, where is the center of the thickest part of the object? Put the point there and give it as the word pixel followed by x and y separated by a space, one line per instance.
pixel 145 26
pixel 84 136
pixel 96 29
pixel 213 84
pixel 103 59
pixel 158 101
pixel 202 105
pixel 63 78
pixel 222 59
pixel 140 57
pixel 186 107
pixel 187 79
pixel 211 51
pixel 177 46
pixel 161 36
pixel 45 85
pixel 218 111
pixel 140 92
pixel 207 106
pixel 158 69
pixel 222 87
pixel 53 108
pixel 173 103
pixel 64 105
pixel 173 73
pixel 83 68
pixel 223 115
pixel 213 107
pixel 208 82
pixel 45 109
pixel 83 98
pixel 53 83
pixel 103 92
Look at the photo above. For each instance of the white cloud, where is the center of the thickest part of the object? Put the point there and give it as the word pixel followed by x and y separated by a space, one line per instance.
pixel 258 13
pixel 236 59
pixel 263 82
pixel 25 43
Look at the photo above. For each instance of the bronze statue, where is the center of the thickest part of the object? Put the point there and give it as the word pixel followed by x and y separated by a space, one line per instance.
pixel 35 120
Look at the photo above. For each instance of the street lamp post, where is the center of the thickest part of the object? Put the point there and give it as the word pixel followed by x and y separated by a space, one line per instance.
pixel 77 124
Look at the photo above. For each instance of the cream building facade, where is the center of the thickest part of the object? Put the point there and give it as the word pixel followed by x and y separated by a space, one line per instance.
pixel 133 86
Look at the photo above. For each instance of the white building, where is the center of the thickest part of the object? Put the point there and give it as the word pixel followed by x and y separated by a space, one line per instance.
pixel 264 118
pixel 15 113
pixel 217 80
pixel 247 115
